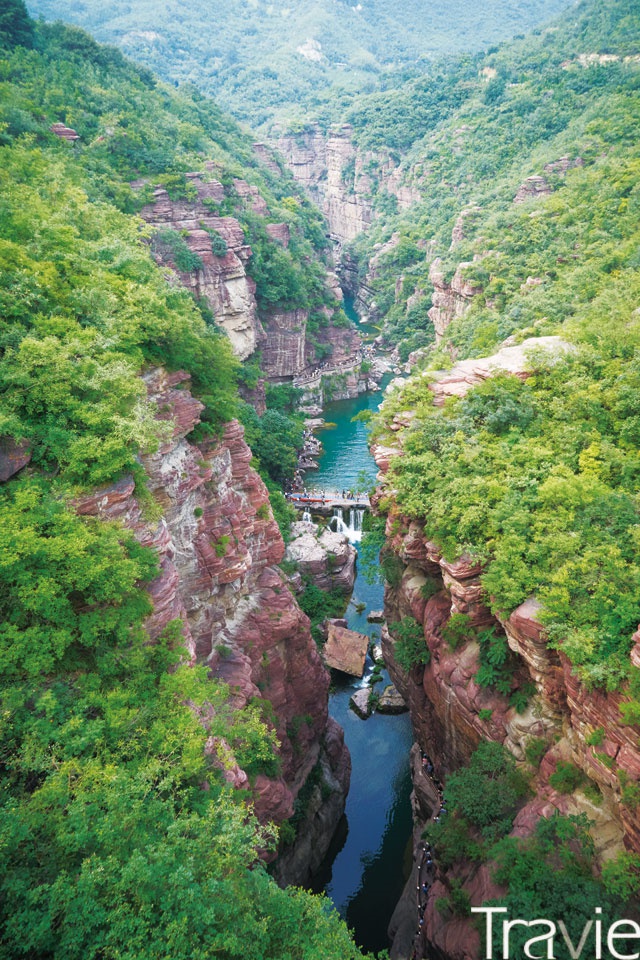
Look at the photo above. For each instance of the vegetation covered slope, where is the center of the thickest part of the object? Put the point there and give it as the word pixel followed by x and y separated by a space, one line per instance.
pixel 539 478
pixel 110 845
pixel 262 59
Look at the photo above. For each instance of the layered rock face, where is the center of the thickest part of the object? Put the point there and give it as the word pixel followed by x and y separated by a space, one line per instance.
pixel 320 163
pixel 511 358
pixel 336 176
pixel 218 545
pixel 451 713
pixel 450 299
pixel 222 282
pixel 284 350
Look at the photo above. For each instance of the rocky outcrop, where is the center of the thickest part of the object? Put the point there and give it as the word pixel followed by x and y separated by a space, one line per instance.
pixel 326 558
pixel 451 712
pixel 451 299
pixel 532 188
pixel 218 546
pixel 65 133
pixel 514 359
pixel 536 187
pixel 562 165
pixel 221 281
pixel 14 455
pixel 339 178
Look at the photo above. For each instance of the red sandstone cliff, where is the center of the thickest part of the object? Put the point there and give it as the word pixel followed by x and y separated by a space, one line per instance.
pixel 218 546
pixel 446 702
pixel 223 283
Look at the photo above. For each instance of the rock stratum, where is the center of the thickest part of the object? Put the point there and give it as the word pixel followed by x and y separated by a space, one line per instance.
pixel 451 713
pixel 222 280
pixel 218 547
pixel 341 179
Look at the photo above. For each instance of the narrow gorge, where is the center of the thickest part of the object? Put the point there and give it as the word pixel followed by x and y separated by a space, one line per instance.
pixel 319 588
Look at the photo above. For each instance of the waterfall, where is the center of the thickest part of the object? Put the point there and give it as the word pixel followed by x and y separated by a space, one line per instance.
pixel 337 521
pixel 306 516
pixel 354 530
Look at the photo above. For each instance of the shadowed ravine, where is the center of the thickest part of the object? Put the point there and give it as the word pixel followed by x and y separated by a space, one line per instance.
pixel 364 871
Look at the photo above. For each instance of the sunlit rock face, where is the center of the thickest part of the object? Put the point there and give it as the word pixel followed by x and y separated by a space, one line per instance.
pixel 326 558
pixel 222 281
pixel 339 177
pixel 218 548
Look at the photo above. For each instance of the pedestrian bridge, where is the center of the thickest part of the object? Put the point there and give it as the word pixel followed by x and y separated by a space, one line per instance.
pixel 323 502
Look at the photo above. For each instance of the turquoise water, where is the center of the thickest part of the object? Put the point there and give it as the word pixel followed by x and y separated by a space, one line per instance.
pixel 365 870
pixel 366 330
pixel 346 459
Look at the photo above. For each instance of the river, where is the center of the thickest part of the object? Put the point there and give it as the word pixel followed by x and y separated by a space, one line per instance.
pixel 368 863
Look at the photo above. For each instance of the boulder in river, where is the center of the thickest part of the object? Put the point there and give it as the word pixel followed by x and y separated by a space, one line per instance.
pixel 376 653
pixel 375 616
pixel 359 703
pixel 391 701
pixel 325 557
pixel 345 650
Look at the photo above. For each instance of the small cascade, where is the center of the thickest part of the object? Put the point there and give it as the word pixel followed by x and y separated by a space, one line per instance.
pixel 306 517
pixel 354 530
pixel 337 521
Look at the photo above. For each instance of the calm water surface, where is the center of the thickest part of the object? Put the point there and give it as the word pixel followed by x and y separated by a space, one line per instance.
pixel 365 870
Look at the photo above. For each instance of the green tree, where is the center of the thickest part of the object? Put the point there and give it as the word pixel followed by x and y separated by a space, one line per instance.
pixel 16 27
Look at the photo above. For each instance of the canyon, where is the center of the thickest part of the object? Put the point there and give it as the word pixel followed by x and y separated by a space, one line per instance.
pixel 343 180
pixel 219 549
pixel 221 278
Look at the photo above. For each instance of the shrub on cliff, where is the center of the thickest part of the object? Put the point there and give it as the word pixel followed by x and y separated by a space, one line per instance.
pixel 488 792
pixel 550 874
pixel 410 647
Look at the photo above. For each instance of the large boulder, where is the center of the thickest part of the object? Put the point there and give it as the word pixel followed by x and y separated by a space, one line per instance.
pixel 326 558
pixel 345 650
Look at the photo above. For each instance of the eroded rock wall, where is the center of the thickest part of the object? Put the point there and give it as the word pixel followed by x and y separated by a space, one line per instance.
pixel 222 282
pixel 451 712
pixel 341 179
pixel 219 547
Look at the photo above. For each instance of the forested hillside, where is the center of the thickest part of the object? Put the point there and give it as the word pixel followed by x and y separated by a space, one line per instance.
pixel 120 832
pixel 530 217
pixel 264 60
pixel 512 287
pixel 119 836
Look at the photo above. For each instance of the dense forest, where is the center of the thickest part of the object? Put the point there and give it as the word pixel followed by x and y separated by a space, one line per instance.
pixel 102 761
pixel 550 465
pixel 285 61
pixel 110 845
